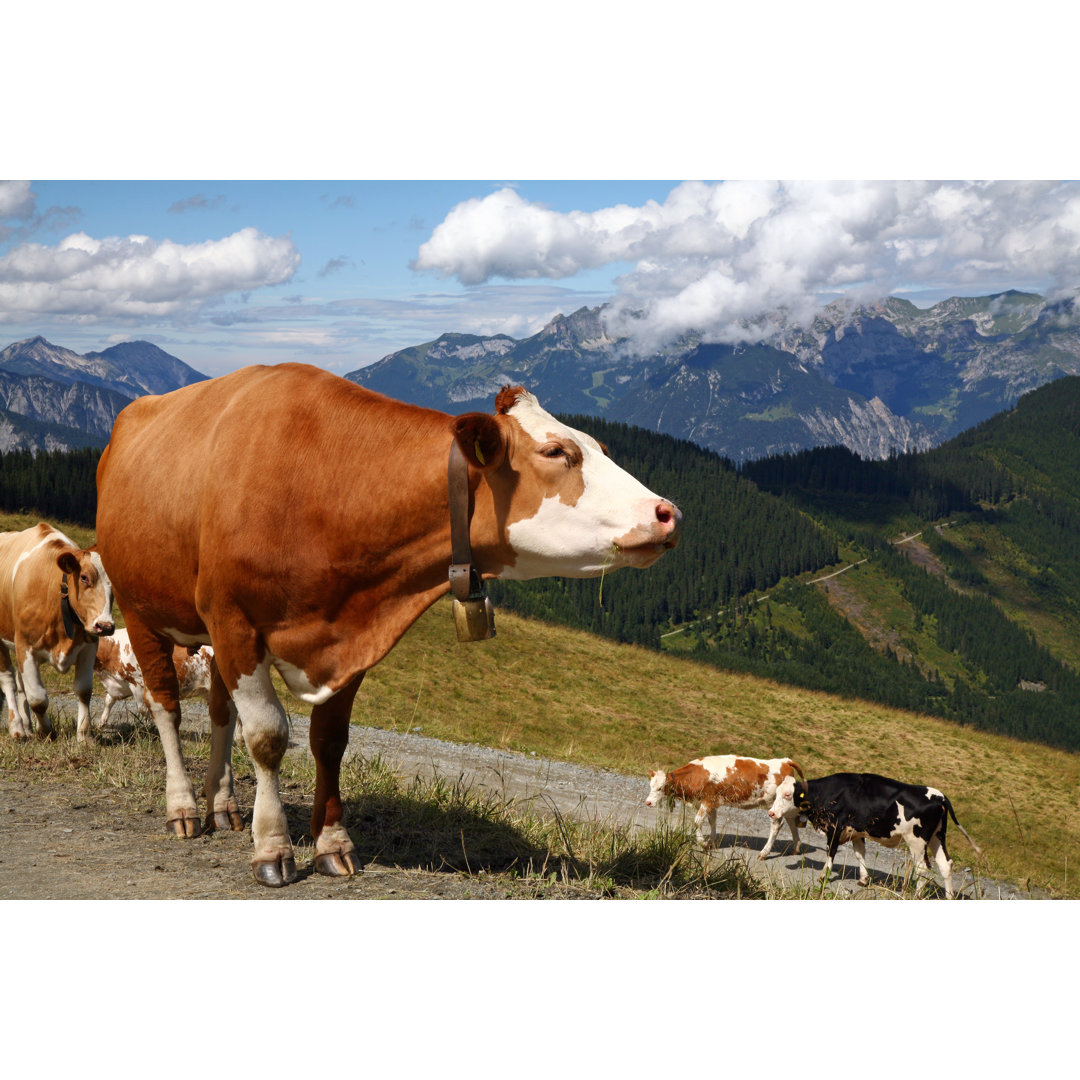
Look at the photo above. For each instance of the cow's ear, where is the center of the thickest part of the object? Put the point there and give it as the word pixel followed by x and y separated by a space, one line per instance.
pixel 481 439
pixel 67 562
pixel 652 773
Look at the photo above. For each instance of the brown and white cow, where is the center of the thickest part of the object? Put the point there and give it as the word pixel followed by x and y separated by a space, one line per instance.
pixel 121 677
pixel 742 783
pixel 294 520
pixel 55 602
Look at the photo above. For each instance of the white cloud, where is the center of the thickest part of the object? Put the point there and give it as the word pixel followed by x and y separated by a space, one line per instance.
pixel 16 199
pixel 713 255
pixel 136 276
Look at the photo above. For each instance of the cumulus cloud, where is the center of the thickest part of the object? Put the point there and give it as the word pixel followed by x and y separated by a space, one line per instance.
pixel 713 256
pixel 136 276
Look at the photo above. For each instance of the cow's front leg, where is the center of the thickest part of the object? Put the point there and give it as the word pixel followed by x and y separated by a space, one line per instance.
pixel 18 724
pixel 181 810
pixel 84 686
pixel 34 693
pixel 793 825
pixel 335 853
pixel 222 809
pixel 774 828
pixel 266 734
pixel 162 698
pixel 832 845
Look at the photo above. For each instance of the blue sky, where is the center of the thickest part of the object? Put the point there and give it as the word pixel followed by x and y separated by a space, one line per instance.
pixel 351 298
pixel 223 273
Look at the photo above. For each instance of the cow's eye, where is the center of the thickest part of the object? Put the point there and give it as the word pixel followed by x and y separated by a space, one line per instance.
pixel 553 450
pixel 84 579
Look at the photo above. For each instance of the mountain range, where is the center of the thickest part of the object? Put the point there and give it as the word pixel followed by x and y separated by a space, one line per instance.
pixel 878 379
pixel 54 399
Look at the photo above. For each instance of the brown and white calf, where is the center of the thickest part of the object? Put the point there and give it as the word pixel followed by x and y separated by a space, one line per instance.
pixel 121 677
pixel 727 780
pixel 854 806
pixel 314 527
pixel 55 602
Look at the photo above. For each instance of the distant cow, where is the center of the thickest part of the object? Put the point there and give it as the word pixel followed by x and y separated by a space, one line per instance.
pixel 121 677
pixel 296 521
pixel 727 780
pixel 55 602
pixel 853 806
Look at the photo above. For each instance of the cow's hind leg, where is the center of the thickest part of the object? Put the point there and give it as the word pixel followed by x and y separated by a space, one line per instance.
pixel 222 809
pixel 935 848
pixel 335 853
pixel 920 857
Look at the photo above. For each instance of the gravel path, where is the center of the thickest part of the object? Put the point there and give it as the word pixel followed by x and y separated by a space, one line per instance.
pixel 60 840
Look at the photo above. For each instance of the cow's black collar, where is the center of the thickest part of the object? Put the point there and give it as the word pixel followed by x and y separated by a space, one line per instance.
pixel 67 612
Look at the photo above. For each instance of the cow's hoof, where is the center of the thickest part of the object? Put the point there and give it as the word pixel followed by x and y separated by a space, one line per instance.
pixel 337 864
pixel 228 820
pixel 762 857
pixel 275 873
pixel 47 733
pixel 184 826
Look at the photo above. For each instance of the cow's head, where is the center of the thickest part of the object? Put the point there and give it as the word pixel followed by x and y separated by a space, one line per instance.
pixel 656 795
pixel 790 797
pixel 89 591
pixel 563 507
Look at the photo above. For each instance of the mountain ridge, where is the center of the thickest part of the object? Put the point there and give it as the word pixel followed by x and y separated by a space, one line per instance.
pixel 879 378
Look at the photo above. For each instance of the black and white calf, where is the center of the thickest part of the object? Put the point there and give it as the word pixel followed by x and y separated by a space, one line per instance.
pixel 853 806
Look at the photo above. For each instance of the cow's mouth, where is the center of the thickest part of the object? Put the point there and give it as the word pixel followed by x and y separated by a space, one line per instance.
pixel 642 555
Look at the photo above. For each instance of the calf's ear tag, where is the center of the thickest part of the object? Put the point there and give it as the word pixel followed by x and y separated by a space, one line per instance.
pixel 478 452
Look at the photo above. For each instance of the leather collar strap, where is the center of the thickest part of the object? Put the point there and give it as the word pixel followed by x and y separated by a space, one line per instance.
pixel 71 620
pixel 464 579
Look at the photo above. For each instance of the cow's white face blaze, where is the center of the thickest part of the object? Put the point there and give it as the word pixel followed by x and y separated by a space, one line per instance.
pixel 657 780
pixel 593 516
pixel 784 803
pixel 89 590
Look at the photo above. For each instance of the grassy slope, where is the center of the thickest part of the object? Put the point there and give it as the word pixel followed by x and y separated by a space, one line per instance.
pixel 572 696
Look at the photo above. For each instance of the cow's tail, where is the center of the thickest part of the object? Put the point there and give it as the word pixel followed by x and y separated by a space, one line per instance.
pixel 952 814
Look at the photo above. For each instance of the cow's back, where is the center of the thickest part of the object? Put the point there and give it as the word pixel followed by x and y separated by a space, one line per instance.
pixel 193 503
pixel 744 782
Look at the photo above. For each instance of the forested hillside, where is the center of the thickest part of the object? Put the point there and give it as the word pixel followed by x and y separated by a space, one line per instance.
pixel 735 541
pixel 992 638
pixel 54 484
